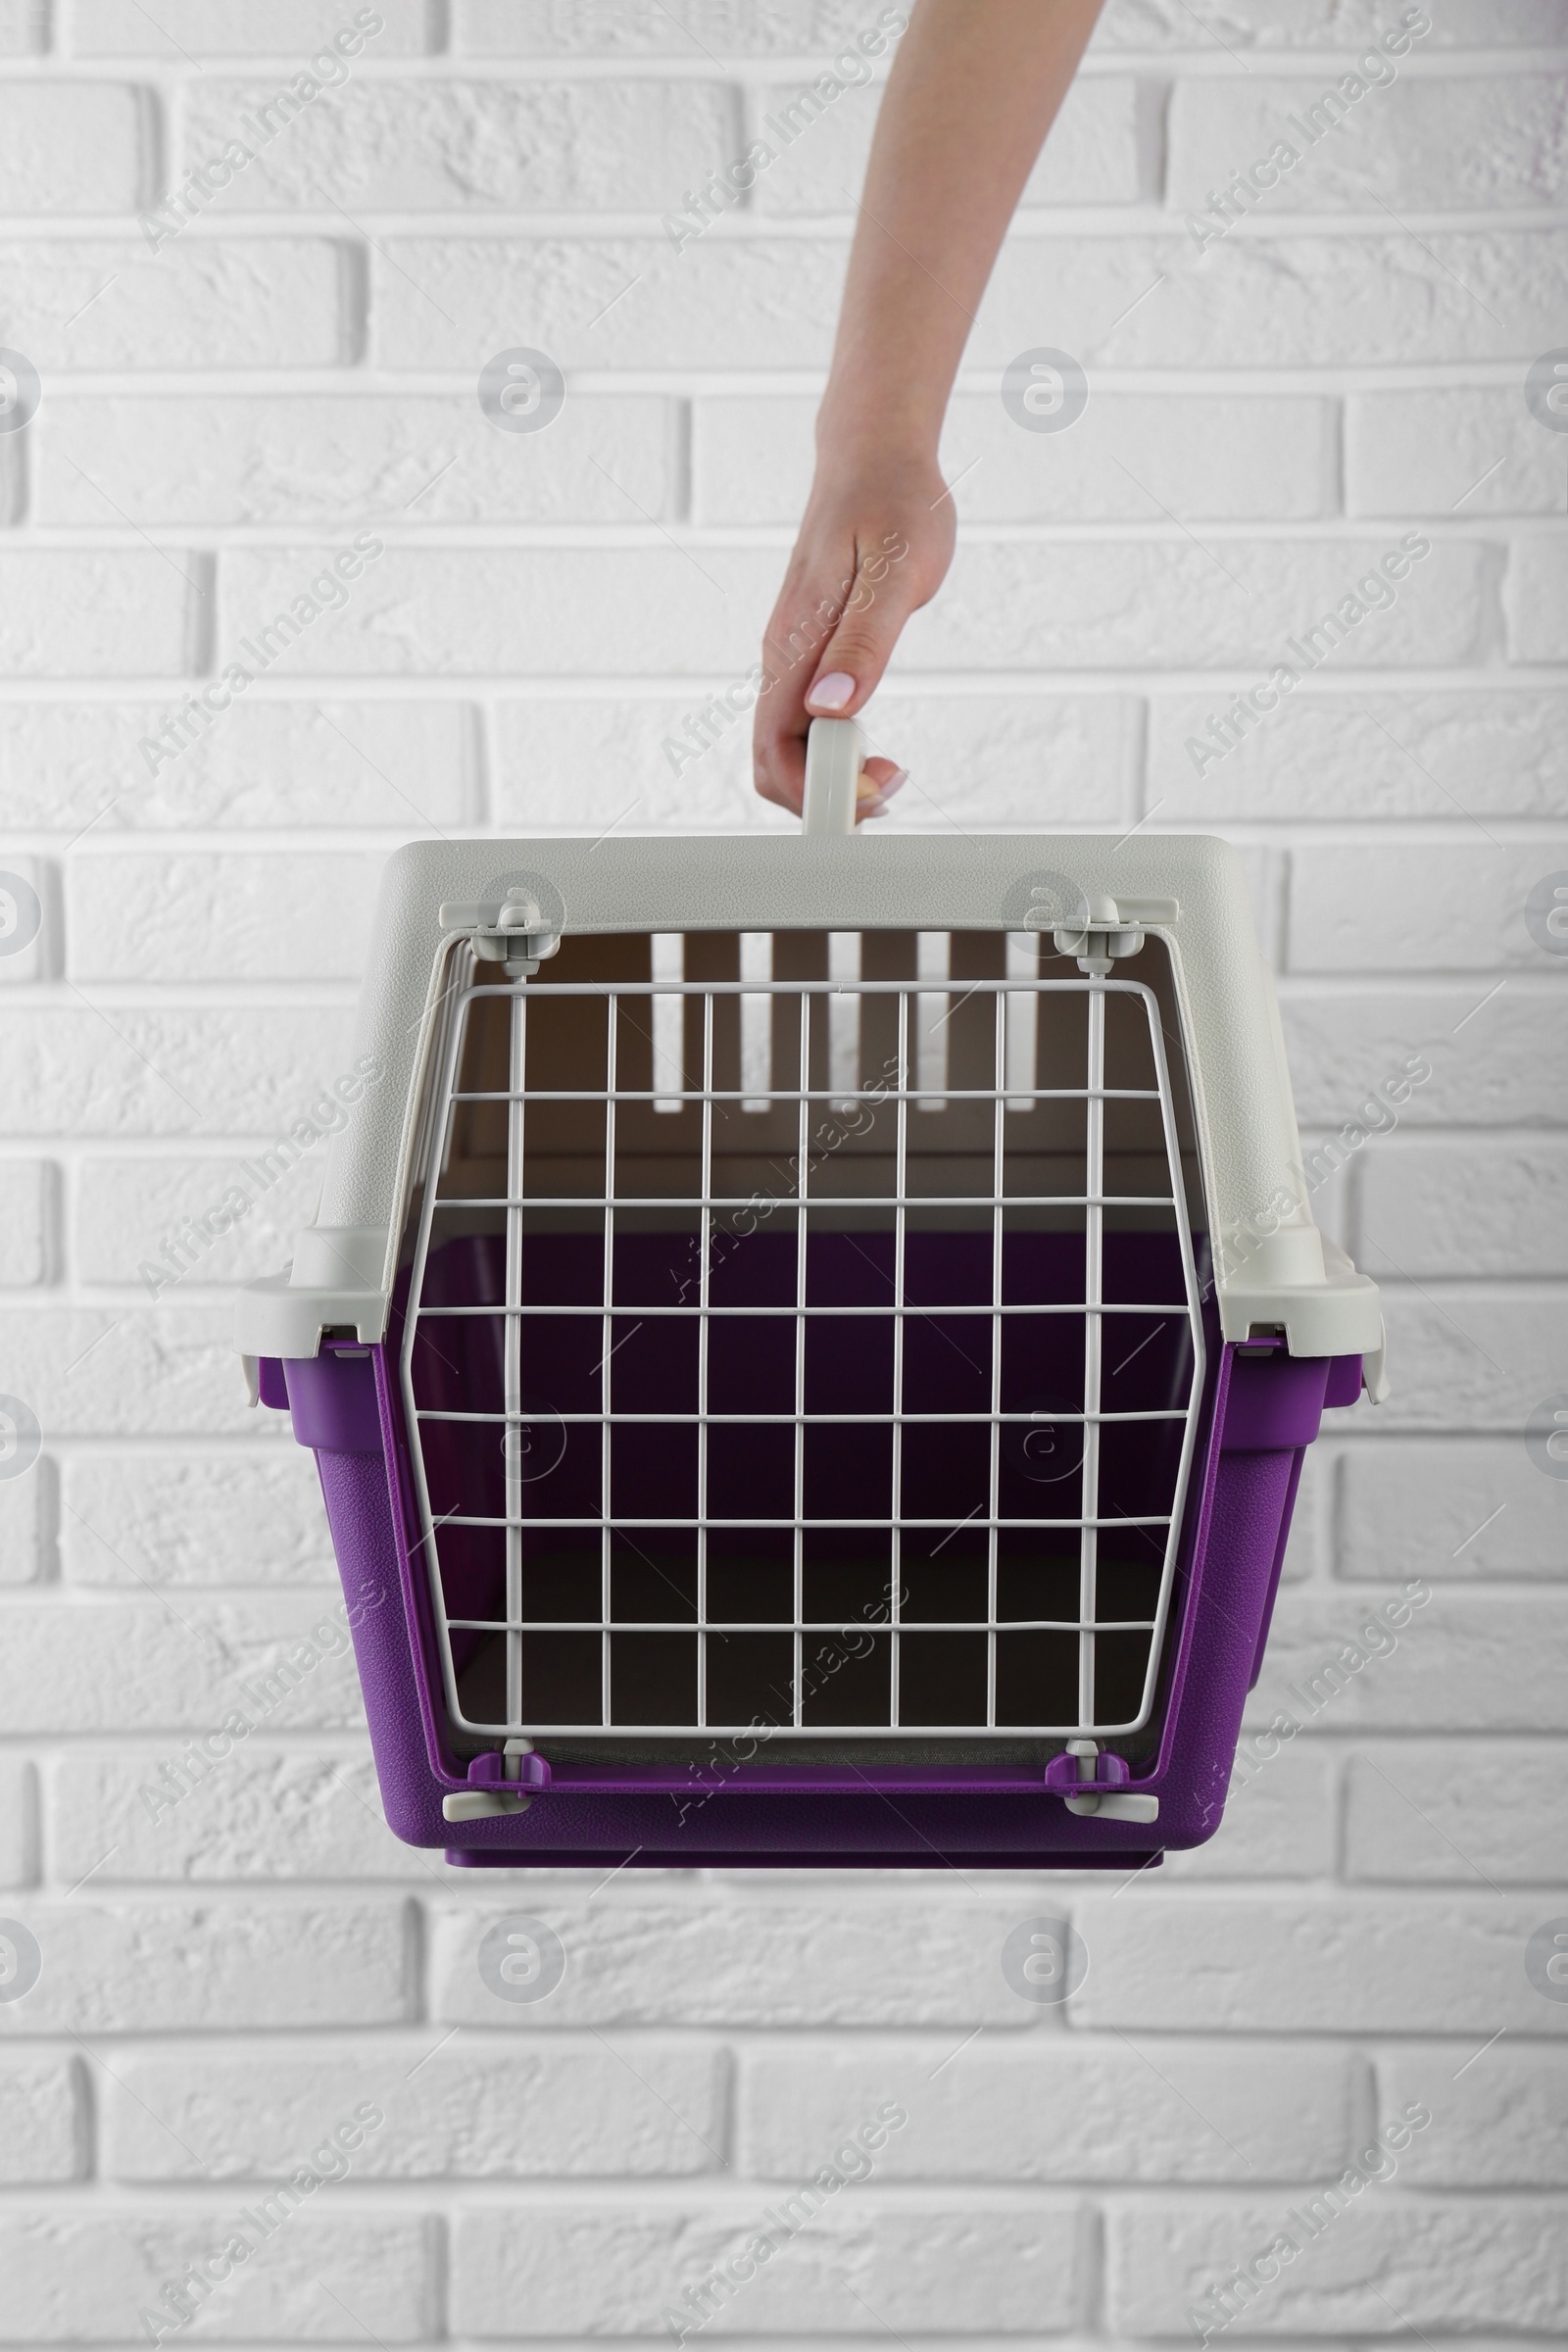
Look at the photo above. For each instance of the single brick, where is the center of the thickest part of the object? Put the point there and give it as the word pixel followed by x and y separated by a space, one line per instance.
pixel 182 1813
pixel 798 1961
pixel 1447 1508
pixel 323 458
pixel 27 1513
pixel 1462 1207
pixel 955 2266
pixel 45 2133
pixel 1503 2114
pixel 1060 2108
pixel 1341 1962
pixel 1452 1664
pixel 135 1219
pixel 83 2276
pixel 1470 448
pixel 1534 595
pixel 103 1371
pixel 1368 2261
pixel 198 302
pixel 440 144
pixel 278 1661
pixel 1340 27
pixel 1420 143
pixel 253 914
pixel 173 1965
pixel 1471 1360
pixel 70 147
pixel 19 1830
pixel 252 1517
pixel 1427 1812
pixel 462 2109
pixel 26 1198
pixel 808 28
pixel 1493 1060
pixel 239 1069
pixel 232 28
pixel 1439 907
pixel 119 612
pixel 1423 751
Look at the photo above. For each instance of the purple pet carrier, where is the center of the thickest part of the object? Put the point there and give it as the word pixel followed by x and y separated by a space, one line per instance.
pixel 810 1345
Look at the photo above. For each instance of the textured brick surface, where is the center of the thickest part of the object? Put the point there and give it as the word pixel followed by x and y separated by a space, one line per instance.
pixel 1326 754
pixel 177 1966
pixel 151 916
pixel 292 459
pixel 1378 2264
pixel 953 2266
pixel 274 1659
pixel 507 146
pixel 468 2108
pixel 271 766
pixel 1421 1811
pixel 200 301
pixel 236 1518
pixel 1459 144
pixel 77 2277
pixel 908 1963
pixel 1263 1963
pixel 1053 2111
pixel 1429 1507
pixel 232 28
pixel 1468 451
pixel 45 2132
pixel 18 1822
pixel 26 1203
pixel 1505 2113
pixel 235 1953
pixel 1126 457
pixel 120 614
pixel 70 147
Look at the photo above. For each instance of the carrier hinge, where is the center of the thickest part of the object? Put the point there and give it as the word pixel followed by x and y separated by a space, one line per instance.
pixel 496 1784
pixel 510 931
pixel 1101 929
pixel 1099 1782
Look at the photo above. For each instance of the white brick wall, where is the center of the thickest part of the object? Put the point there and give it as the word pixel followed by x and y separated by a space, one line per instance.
pixel 226 1978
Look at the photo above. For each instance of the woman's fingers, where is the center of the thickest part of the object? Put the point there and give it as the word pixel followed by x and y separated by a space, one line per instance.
pixel 850 588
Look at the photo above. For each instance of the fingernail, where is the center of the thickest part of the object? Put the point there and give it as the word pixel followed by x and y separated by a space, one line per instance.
pixel 895 783
pixel 832 691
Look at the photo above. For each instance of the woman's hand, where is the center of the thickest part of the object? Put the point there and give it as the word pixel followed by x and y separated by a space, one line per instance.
pixel 972 92
pixel 874 546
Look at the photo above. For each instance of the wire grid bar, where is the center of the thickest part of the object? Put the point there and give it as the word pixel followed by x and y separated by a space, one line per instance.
pixel 441 1058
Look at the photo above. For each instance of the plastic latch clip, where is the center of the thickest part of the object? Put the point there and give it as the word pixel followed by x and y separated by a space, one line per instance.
pixel 496 1781
pixel 1091 1782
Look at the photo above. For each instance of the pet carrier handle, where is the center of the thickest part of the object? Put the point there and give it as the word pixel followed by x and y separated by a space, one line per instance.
pixel 835 754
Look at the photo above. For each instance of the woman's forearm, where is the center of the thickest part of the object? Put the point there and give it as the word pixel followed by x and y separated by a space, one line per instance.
pixel 974 88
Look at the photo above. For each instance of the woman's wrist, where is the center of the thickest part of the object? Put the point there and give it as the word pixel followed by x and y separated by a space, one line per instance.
pixel 873 428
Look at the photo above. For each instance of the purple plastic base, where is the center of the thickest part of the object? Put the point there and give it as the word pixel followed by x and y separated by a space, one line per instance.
pixel 1262 1411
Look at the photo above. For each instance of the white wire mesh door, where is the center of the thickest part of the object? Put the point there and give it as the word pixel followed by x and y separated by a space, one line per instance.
pixel 802 1332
